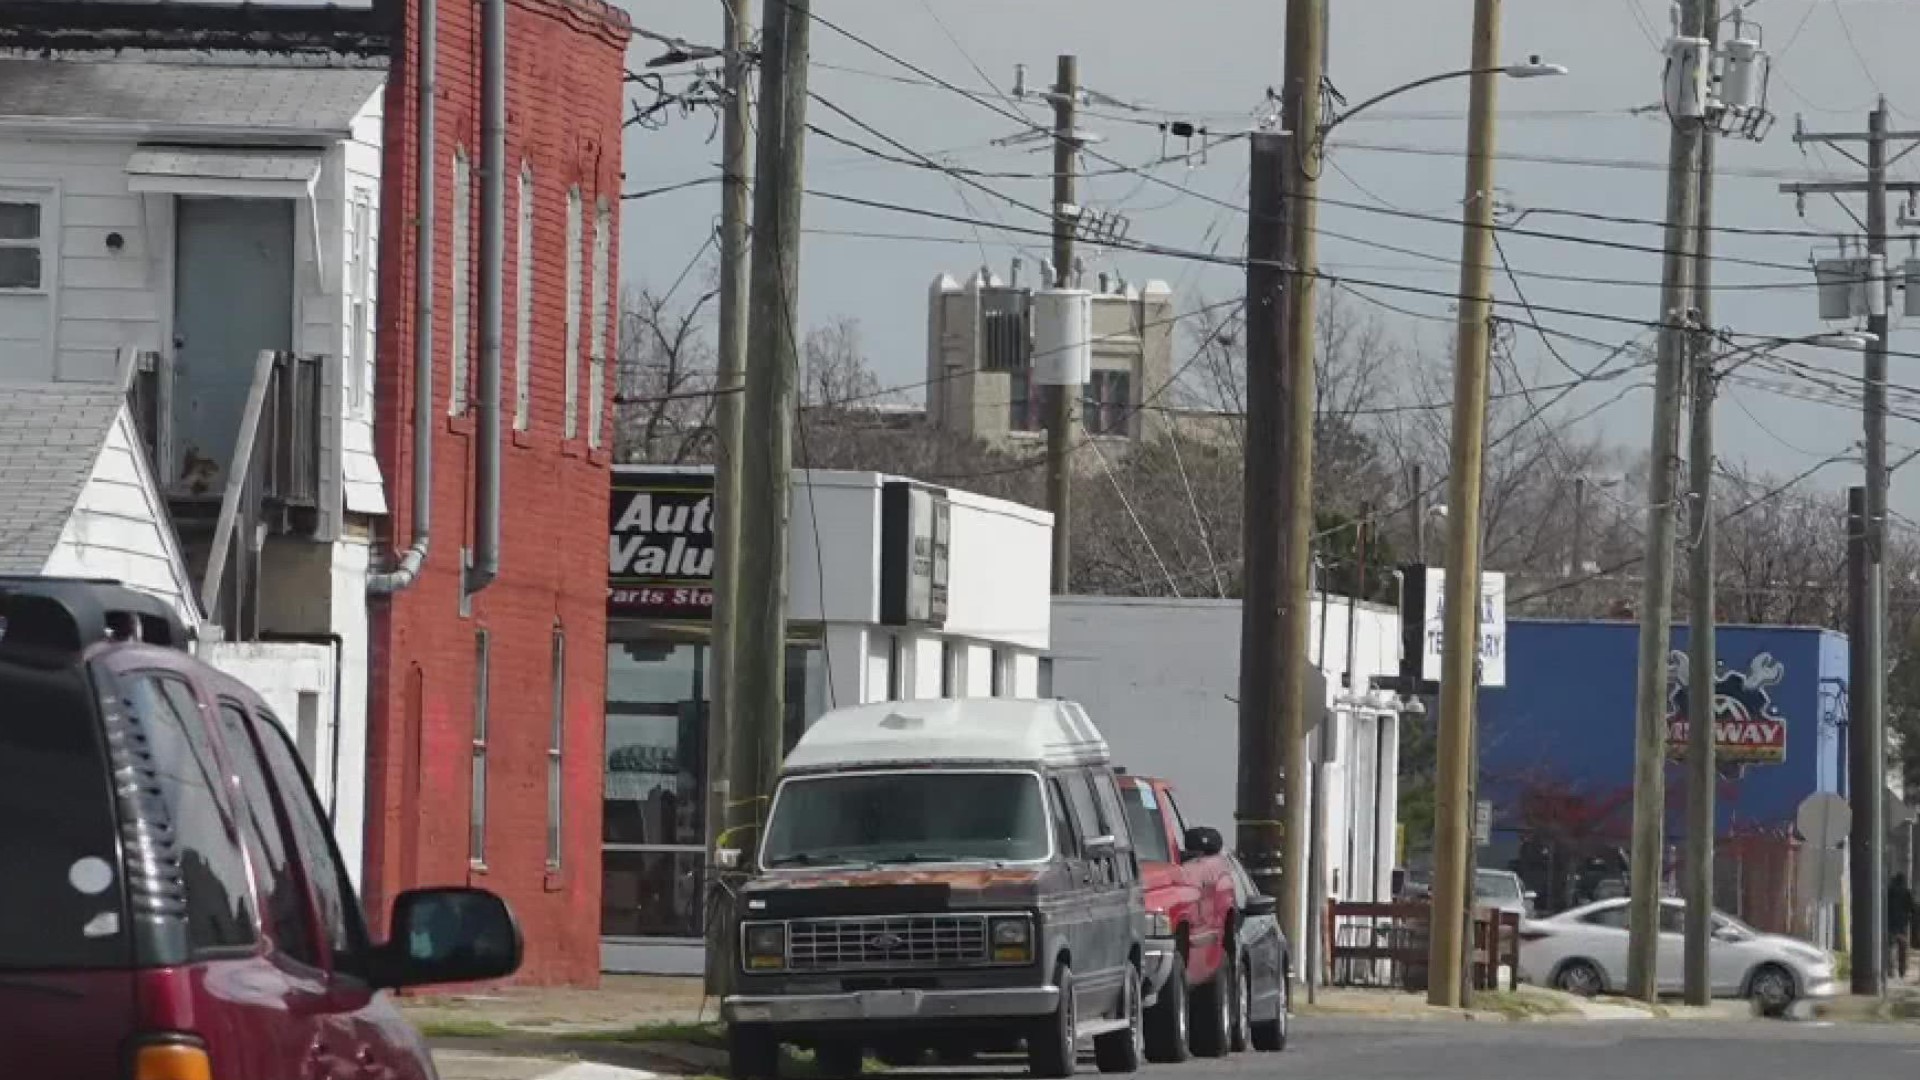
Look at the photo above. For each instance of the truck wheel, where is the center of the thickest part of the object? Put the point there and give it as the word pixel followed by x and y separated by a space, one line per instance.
pixel 1243 1005
pixel 1051 1045
pixel 1212 1014
pixel 1270 1036
pixel 840 1060
pixel 752 1052
pixel 1121 1051
pixel 1167 1020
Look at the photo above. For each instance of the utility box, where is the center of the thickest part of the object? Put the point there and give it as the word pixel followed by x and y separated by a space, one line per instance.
pixel 1062 337
pixel 1743 75
pixel 1687 77
pixel 1910 273
pixel 1842 285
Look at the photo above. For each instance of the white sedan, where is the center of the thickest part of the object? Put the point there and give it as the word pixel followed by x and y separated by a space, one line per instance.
pixel 1584 951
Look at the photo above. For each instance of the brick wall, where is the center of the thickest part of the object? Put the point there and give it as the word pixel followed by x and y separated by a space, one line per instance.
pixel 565 59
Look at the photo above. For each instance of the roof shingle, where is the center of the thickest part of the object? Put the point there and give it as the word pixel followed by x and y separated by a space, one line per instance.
pixel 51 435
pixel 317 101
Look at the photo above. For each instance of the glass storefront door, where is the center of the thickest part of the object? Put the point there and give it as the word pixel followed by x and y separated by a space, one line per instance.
pixel 659 697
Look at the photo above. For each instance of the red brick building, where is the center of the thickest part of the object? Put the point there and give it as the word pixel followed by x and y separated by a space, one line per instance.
pixel 477 711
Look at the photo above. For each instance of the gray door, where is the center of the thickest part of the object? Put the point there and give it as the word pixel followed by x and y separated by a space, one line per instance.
pixel 232 297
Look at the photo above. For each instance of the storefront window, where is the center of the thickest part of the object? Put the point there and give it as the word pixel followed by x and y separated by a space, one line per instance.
pixel 659 700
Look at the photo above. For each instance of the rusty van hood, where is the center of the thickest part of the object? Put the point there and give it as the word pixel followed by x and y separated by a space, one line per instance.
pixel 890 890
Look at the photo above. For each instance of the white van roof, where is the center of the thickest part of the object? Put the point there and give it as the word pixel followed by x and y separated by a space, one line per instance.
pixel 1050 732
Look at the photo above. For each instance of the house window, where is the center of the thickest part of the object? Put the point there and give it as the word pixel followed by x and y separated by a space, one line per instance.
pixel 597 356
pixel 362 286
pixel 23 230
pixel 477 810
pixel 523 306
pixel 1107 402
pixel 573 312
pixel 462 279
pixel 1025 399
pixel 556 741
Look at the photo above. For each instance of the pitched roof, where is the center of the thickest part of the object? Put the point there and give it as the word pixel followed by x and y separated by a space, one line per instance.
pixel 287 98
pixel 51 435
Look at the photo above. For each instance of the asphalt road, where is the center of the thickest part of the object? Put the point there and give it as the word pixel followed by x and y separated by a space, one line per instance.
pixel 1336 1049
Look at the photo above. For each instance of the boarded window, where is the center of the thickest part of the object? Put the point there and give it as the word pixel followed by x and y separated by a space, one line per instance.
pixel 597 352
pixel 574 227
pixel 523 307
pixel 462 281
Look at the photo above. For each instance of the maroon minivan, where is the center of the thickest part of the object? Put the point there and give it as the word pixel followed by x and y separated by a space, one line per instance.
pixel 173 904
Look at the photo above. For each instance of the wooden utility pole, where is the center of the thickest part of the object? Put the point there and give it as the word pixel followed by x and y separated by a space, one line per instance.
pixel 1453 843
pixel 1703 773
pixel 1656 599
pixel 1062 402
pixel 1867 733
pixel 1419 508
pixel 1259 831
pixel 758 702
pixel 1300 111
pixel 730 370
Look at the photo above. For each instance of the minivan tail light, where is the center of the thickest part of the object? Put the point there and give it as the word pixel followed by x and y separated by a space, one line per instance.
pixel 181 1060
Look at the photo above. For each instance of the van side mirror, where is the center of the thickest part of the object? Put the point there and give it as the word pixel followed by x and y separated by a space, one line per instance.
pixel 1201 841
pixel 448 935
pixel 1102 847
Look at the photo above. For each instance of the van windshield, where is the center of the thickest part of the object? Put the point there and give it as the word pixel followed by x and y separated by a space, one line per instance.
pixel 907 817
pixel 61 907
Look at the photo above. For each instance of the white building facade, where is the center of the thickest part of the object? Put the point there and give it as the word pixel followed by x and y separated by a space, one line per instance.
pixel 1162 677
pixel 897 590
pixel 196 233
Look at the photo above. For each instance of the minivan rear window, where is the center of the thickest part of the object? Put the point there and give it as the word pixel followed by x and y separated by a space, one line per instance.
pixel 62 907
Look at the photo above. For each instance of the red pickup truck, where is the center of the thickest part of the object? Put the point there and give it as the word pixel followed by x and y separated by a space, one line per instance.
pixel 1191 908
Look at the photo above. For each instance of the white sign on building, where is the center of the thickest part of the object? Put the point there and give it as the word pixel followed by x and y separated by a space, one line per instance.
pixel 1493 627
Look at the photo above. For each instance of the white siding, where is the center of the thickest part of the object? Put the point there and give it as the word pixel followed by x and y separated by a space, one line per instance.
pixel 597 357
pixel 574 228
pixel 462 279
pixel 523 306
pixel 118 528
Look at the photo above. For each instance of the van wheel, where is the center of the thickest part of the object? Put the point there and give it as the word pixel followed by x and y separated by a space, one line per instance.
pixel 1121 1051
pixel 840 1060
pixel 1212 1014
pixel 752 1052
pixel 1167 1020
pixel 1051 1045
pixel 1270 1036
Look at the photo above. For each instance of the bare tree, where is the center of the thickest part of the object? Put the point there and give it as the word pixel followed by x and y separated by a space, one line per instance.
pixel 665 402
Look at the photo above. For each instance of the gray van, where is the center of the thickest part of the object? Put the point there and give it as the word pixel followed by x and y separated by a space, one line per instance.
pixel 949 876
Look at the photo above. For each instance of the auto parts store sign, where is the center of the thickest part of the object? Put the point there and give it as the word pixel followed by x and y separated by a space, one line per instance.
pixel 1748 729
pixel 660 545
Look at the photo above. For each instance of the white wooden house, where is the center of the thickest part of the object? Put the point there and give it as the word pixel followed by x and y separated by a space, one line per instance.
pixel 203 227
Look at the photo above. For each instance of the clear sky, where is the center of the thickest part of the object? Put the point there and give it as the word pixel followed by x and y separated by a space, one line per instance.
pixel 1571 144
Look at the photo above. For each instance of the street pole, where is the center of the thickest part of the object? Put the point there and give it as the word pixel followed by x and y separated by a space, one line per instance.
pixel 1656 599
pixel 1453 809
pixel 1062 401
pixel 729 378
pixel 1577 544
pixel 1869 839
pixel 760 626
pixel 1419 508
pixel 1863 915
pixel 1259 831
pixel 1702 660
pixel 1300 110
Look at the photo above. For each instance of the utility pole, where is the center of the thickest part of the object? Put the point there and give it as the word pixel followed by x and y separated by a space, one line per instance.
pixel 1687 57
pixel 729 380
pixel 1867 734
pixel 1062 400
pixel 1260 834
pixel 758 702
pixel 1577 543
pixel 1300 112
pixel 1453 810
pixel 1702 660
pixel 1419 508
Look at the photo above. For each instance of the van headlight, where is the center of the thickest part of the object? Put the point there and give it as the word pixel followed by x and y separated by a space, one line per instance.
pixel 1011 939
pixel 764 946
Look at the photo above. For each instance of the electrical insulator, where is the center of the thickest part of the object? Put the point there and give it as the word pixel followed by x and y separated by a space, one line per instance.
pixel 1743 74
pixel 1686 82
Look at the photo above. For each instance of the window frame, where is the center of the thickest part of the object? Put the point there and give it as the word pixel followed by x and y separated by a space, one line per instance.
pixel 1100 413
pixel 556 751
pixel 599 332
pixel 523 303
pixel 575 273
pixel 460 315
pixel 1026 401
pixel 46 199
pixel 477 792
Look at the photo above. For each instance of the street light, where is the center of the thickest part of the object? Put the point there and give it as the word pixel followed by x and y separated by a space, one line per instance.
pixel 1534 68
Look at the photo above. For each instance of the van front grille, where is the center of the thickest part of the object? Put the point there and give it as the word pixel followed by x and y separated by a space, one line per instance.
pixel 891 941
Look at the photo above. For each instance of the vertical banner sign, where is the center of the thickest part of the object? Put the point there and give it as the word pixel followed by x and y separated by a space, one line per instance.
pixel 1493 626
pixel 660 545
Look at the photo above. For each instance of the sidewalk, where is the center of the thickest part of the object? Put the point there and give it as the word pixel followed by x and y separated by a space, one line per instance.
pixel 630 1028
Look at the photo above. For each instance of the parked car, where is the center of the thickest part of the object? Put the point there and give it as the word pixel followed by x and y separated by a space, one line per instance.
pixel 175 905
pixel 1261 1002
pixel 1502 890
pixel 947 875
pixel 1584 951
pixel 1191 917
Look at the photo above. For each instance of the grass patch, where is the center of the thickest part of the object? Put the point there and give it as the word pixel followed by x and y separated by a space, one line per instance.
pixel 463 1029
pixel 1518 1005
pixel 710 1035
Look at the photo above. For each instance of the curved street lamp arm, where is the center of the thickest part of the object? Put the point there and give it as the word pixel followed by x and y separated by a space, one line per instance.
pixel 1376 99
